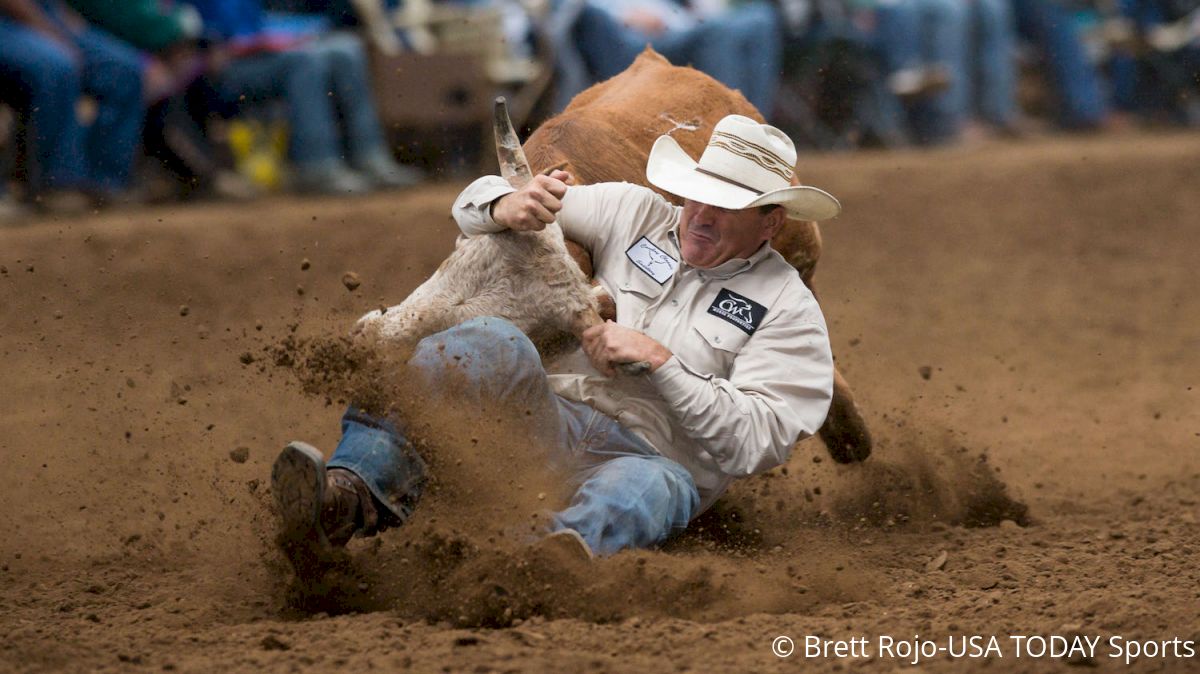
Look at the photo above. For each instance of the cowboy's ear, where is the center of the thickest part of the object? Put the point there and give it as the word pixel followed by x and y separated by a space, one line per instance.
pixel 773 221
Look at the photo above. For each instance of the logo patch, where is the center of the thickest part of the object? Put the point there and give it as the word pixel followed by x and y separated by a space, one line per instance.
pixel 652 260
pixel 743 312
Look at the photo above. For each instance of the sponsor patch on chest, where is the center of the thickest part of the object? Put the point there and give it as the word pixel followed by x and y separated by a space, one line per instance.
pixel 652 260
pixel 743 312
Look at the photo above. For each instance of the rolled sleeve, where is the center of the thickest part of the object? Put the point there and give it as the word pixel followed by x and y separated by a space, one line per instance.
pixel 472 209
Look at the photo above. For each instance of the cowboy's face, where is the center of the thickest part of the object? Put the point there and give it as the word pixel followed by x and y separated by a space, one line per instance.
pixel 709 236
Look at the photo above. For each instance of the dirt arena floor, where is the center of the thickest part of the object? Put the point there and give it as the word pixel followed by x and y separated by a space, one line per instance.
pixel 1021 316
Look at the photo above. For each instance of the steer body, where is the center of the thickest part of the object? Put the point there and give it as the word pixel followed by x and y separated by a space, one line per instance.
pixel 605 135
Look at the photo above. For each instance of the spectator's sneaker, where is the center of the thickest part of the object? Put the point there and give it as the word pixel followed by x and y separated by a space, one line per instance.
pixel 385 173
pixel 919 82
pixel 233 186
pixel 64 202
pixel 566 545
pixel 11 211
pixel 330 177
pixel 1171 36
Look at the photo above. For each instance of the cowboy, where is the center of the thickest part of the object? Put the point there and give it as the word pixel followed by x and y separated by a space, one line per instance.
pixel 740 364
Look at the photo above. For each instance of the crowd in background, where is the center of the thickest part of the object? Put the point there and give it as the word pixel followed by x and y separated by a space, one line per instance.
pixel 98 89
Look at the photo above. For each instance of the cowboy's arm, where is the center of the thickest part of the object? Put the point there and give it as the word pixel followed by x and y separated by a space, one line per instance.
pixel 491 204
pixel 777 393
pixel 472 209
pixel 586 213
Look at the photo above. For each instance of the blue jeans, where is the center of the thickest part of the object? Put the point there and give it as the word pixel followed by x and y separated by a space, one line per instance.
pixel 627 494
pixel 1075 80
pixel 304 78
pixel 742 48
pixel 993 80
pixel 44 81
pixel 914 33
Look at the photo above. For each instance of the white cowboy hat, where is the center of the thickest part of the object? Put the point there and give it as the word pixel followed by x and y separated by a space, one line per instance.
pixel 746 164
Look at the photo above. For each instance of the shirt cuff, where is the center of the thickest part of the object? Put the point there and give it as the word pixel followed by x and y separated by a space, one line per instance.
pixel 481 195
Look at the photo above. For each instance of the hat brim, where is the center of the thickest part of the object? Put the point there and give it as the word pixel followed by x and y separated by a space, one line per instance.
pixel 671 169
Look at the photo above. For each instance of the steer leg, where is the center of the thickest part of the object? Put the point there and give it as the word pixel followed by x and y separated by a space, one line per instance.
pixel 845 432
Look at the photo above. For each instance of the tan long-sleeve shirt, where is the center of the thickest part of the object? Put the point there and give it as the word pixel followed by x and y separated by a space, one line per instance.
pixel 752 371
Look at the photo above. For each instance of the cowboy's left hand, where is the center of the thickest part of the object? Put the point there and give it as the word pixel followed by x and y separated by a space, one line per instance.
pixel 609 343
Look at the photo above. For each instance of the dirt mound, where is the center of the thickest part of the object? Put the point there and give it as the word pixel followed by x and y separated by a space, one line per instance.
pixel 923 477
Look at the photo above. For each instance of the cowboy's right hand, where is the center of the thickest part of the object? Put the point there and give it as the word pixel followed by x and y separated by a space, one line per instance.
pixel 532 207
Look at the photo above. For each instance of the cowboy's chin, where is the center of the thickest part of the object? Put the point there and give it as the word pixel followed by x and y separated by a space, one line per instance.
pixel 701 255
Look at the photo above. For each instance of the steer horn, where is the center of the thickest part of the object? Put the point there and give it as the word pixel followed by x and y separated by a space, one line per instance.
pixel 513 164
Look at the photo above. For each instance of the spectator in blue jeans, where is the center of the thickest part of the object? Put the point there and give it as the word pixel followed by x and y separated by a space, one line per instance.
pixel 920 36
pixel 1162 79
pixel 740 45
pixel 323 79
pixel 973 41
pixel 49 58
pixel 992 78
pixel 1074 80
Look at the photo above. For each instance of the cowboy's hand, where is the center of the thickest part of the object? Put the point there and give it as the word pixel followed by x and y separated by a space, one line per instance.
pixel 532 207
pixel 610 343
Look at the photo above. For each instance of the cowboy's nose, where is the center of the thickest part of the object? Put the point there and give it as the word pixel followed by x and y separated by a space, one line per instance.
pixel 704 215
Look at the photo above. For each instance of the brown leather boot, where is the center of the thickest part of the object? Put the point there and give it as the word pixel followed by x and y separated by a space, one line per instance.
pixel 347 507
pixel 320 509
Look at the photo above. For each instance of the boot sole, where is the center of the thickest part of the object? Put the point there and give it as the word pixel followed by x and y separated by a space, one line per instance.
pixel 566 545
pixel 298 484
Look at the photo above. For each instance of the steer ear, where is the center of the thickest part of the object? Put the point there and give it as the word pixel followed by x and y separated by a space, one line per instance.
pixel 513 165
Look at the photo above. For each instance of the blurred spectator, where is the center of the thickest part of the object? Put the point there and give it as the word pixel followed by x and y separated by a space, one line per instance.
pixel 1161 78
pixel 952 61
pixel 323 79
pixel 923 48
pixel 11 211
pixel 176 102
pixel 49 57
pixel 1073 79
pixel 833 94
pixel 739 44
pixel 990 75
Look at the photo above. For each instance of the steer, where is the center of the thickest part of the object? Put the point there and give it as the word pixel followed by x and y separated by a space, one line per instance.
pixel 605 135
pixel 528 278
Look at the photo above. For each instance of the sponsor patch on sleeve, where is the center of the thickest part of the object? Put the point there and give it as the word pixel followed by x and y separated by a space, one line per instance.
pixel 743 312
pixel 652 260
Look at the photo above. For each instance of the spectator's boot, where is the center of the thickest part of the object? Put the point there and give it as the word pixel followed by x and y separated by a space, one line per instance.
pixel 11 211
pixel 384 172
pixel 328 177
pixel 320 509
